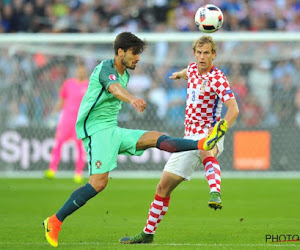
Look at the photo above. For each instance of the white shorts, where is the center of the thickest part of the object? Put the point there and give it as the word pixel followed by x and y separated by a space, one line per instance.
pixel 184 163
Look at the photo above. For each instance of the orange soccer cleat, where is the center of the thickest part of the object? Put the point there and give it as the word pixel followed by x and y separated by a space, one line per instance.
pixel 52 227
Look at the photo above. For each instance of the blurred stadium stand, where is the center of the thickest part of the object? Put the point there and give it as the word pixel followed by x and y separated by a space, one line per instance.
pixel 94 16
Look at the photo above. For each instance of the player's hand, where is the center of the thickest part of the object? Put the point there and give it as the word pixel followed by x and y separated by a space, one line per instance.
pixel 139 104
pixel 175 75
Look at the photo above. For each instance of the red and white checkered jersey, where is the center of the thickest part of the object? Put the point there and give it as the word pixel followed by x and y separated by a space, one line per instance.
pixel 205 96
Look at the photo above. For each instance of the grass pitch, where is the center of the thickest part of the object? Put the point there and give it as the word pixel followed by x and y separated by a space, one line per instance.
pixel 251 210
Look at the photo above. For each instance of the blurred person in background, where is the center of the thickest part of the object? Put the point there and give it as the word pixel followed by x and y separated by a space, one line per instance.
pixel 207 89
pixel 158 96
pixel 140 82
pixel 18 113
pixel 176 98
pixel 70 96
pixel 7 20
pixel 283 100
pixel 281 68
pixel 251 111
pixel 297 105
pixel 296 73
pixel 238 84
pixel 260 82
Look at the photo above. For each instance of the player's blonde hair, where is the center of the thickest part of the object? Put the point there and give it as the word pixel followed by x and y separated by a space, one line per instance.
pixel 205 40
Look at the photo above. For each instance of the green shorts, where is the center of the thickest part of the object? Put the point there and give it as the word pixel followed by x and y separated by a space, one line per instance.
pixel 104 147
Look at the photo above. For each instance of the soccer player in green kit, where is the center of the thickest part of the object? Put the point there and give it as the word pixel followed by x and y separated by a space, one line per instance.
pixel 98 128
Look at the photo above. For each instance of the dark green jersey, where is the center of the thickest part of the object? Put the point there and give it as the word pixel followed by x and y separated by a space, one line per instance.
pixel 99 108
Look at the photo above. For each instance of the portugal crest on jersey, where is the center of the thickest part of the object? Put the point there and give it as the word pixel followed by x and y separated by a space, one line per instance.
pixel 112 77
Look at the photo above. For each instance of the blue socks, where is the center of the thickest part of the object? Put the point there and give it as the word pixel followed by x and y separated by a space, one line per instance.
pixel 170 144
pixel 77 199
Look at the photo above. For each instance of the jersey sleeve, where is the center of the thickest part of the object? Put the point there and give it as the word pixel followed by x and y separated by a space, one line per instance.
pixel 107 76
pixel 190 69
pixel 222 88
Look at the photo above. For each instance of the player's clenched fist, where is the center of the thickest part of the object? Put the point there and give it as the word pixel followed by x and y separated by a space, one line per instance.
pixel 139 104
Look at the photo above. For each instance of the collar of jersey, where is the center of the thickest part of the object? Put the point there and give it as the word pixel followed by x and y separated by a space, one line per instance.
pixel 211 70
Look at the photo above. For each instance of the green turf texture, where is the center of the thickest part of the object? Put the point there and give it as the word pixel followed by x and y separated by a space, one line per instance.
pixel 252 208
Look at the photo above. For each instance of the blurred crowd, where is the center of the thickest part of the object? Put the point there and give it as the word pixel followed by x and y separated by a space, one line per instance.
pixel 264 77
pixel 268 92
pixel 93 16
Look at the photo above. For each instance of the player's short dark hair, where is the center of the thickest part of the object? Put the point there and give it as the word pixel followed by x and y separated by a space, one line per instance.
pixel 127 40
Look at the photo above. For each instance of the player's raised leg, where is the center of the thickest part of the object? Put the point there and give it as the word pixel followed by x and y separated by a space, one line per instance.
pixel 167 143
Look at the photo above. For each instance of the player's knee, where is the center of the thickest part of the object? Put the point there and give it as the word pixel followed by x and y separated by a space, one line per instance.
pixel 156 136
pixel 149 139
pixel 204 154
pixel 99 186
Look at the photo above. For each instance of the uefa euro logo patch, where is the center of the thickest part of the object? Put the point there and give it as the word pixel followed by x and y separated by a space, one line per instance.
pixel 112 77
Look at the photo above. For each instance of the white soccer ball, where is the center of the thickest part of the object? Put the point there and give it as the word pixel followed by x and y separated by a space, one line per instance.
pixel 209 18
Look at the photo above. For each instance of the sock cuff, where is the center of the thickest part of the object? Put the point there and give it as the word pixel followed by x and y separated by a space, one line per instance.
pixel 91 189
pixel 160 139
pixel 210 158
pixel 57 220
pixel 146 232
pixel 159 198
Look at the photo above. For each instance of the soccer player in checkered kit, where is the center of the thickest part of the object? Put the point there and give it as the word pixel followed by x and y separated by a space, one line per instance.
pixel 207 89
pixel 103 139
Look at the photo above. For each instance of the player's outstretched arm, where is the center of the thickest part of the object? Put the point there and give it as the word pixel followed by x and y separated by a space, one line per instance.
pixel 123 95
pixel 179 74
